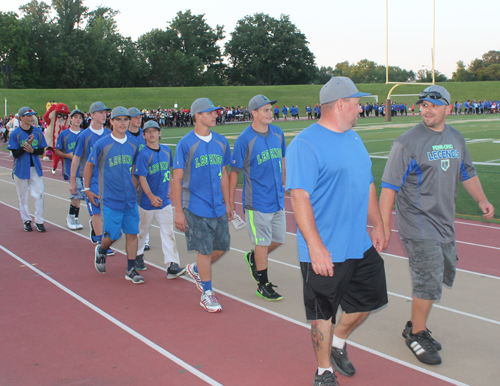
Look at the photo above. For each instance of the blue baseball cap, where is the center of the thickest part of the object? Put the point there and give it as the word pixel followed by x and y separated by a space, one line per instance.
pixel 437 95
pixel 98 106
pixel 119 111
pixel 23 111
pixel 134 112
pixel 203 105
pixel 151 124
pixel 258 101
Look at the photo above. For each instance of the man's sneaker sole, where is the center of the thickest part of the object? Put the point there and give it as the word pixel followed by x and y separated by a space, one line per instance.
pixel 252 273
pixel 268 299
pixel 132 279
pixel 99 269
pixel 212 310
pixel 195 277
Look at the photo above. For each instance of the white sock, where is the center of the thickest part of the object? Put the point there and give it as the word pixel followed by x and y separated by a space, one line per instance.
pixel 321 370
pixel 337 342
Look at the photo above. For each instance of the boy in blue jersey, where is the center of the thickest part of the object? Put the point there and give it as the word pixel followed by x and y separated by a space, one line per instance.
pixel 276 112
pixel 83 148
pixel 27 143
pixel 259 152
pixel 114 157
pixel 135 133
pixel 152 170
pixel 333 194
pixel 284 110
pixel 65 147
pixel 201 196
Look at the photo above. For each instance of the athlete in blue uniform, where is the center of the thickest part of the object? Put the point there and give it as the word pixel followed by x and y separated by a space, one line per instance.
pixel 114 157
pixel 65 147
pixel 26 144
pixel 333 194
pixel 201 188
pixel 83 148
pixel 152 170
pixel 259 152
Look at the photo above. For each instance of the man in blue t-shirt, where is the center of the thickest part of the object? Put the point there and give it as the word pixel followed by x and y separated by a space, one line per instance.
pixel 259 153
pixel 152 170
pixel 332 190
pixel 27 144
pixel 200 191
pixel 65 147
pixel 114 157
pixel 83 148
pixel 284 110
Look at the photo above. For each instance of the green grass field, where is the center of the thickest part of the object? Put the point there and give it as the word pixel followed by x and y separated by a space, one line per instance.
pixel 378 135
pixel 152 98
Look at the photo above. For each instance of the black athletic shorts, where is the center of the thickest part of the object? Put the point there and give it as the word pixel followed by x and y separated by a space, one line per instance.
pixel 357 285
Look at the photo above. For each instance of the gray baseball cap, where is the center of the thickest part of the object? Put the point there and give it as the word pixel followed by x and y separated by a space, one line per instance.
pixel 119 111
pixel 25 111
pixel 437 95
pixel 134 112
pixel 339 87
pixel 150 124
pixel 258 101
pixel 97 106
pixel 203 105
pixel 76 111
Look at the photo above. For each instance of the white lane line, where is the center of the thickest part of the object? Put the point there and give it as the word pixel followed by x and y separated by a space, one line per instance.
pixel 119 324
pixel 284 317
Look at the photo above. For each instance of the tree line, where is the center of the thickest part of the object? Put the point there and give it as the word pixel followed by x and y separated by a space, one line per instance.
pixel 486 68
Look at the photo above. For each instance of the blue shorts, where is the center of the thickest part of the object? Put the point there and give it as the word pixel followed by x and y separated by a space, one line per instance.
pixel 116 221
pixel 93 210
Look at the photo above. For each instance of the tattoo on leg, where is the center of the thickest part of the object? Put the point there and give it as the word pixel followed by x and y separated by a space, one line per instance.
pixel 316 335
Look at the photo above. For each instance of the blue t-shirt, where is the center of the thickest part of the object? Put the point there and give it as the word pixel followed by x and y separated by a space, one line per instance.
pixel 202 163
pixel 83 147
pixel 22 164
pixel 335 169
pixel 155 166
pixel 139 139
pixel 260 158
pixel 66 143
pixel 114 163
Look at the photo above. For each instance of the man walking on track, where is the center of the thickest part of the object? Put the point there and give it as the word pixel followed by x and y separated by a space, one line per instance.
pixel 259 152
pixel 201 196
pixel 152 169
pixel 422 174
pixel 27 143
pixel 114 157
pixel 332 190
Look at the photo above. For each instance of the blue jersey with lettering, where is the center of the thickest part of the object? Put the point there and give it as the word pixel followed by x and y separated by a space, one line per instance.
pixel 260 158
pixel 114 163
pixel 84 145
pixel 139 139
pixel 202 163
pixel 66 143
pixel 155 166
pixel 22 164
pixel 335 169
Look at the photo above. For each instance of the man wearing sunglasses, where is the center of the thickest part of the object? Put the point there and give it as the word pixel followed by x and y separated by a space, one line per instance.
pixel 422 174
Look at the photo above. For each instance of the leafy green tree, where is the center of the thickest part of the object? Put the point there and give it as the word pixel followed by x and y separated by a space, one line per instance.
pixel 267 51
pixel 462 74
pixel 425 76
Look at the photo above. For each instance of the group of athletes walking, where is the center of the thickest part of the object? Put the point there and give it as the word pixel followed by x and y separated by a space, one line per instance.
pixel 128 179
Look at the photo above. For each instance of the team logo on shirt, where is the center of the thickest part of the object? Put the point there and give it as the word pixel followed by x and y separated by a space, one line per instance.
pixel 443 152
pixel 445 164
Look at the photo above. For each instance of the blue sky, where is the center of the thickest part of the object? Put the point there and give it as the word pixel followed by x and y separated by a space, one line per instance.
pixel 339 31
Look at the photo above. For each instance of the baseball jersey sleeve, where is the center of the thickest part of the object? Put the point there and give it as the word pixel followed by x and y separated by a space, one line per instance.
pixel 180 156
pixel 397 167
pixel 227 154
pixel 59 143
pixel 13 142
pixel 302 166
pixel 467 169
pixel 94 155
pixel 283 144
pixel 141 165
pixel 79 145
pixel 239 153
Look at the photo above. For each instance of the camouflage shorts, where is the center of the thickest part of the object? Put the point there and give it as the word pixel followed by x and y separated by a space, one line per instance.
pixel 206 235
pixel 431 264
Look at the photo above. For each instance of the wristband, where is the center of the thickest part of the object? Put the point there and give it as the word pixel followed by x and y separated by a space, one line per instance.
pixel 85 189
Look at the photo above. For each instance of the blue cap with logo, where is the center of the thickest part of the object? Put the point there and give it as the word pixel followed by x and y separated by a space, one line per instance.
pixel 97 106
pixel 119 111
pixel 258 101
pixel 203 105
pixel 25 111
pixel 134 112
pixel 151 124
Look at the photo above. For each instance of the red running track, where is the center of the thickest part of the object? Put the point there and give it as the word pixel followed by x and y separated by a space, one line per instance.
pixel 54 339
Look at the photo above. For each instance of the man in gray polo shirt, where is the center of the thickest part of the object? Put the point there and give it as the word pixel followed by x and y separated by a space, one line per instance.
pixel 422 174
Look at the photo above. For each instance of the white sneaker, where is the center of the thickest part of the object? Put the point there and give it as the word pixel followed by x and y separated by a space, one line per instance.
pixel 78 224
pixel 70 222
pixel 45 158
pixel 194 275
pixel 209 302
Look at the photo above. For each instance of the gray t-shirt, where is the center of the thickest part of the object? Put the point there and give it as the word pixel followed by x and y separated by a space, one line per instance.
pixel 424 168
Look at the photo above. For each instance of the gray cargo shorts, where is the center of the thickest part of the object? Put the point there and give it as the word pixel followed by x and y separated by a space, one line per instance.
pixel 206 235
pixel 431 264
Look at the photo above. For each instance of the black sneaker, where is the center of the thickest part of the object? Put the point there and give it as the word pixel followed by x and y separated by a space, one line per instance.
pixel 100 261
pixel 93 237
pixel 139 263
pixel 147 247
pixel 421 346
pixel 341 362
pixel 325 379
pixel 267 292
pixel 27 226
pixel 134 276
pixel 40 227
pixel 250 259
pixel 408 330
pixel 174 271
